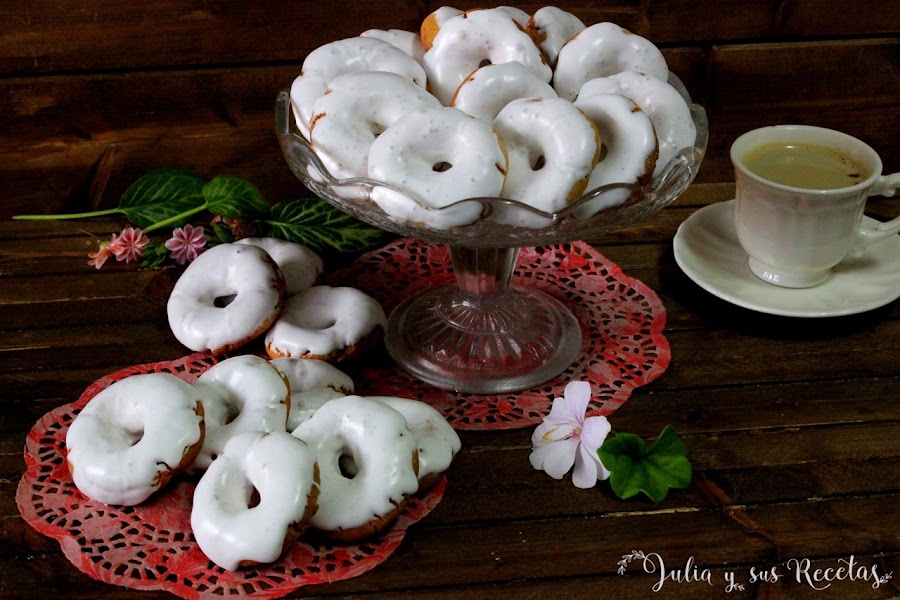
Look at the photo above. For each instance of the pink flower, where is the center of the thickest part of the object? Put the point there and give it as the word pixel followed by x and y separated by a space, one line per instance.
pixel 566 438
pixel 129 245
pixel 98 258
pixel 186 243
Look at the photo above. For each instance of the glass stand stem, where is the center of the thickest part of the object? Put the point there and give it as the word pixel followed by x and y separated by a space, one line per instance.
pixel 483 335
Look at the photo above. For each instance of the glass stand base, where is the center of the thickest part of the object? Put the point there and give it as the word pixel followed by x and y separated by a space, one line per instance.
pixel 456 340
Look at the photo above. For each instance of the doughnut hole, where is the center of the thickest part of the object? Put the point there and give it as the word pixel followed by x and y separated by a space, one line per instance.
pixel 347 464
pixel 254 499
pixel 441 167
pixel 538 163
pixel 223 301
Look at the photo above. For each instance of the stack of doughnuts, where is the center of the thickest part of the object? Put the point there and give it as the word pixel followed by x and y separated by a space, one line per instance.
pixel 492 103
pixel 340 464
pixel 234 293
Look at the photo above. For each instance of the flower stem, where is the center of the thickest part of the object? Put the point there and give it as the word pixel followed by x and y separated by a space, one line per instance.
pixel 176 218
pixel 96 213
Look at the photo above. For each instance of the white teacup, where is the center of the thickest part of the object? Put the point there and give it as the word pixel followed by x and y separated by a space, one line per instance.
pixel 801 193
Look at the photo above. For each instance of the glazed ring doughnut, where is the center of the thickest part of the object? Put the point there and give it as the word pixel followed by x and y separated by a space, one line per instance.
pixel 408 41
pixel 354 110
pixel 300 266
pixel 240 394
pixel 552 27
pixel 485 92
pixel 313 383
pixel 132 437
pixel 283 471
pixel 552 150
pixel 465 42
pixel 436 441
pixel 367 464
pixel 226 297
pixel 602 50
pixel 325 63
pixel 629 139
pixel 438 156
pixel 518 15
pixel 327 323
pixel 433 23
pixel 667 109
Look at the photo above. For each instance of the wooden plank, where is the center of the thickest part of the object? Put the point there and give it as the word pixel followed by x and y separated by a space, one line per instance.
pixel 70 300
pixel 521 550
pixel 45 37
pixel 84 35
pixel 758 75
pixel 89 346
pixel 58 577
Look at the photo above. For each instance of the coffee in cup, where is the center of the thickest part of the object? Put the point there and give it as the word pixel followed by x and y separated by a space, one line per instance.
pixel 800 196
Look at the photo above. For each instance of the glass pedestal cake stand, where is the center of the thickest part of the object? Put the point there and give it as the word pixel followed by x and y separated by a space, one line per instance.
pixel 483 335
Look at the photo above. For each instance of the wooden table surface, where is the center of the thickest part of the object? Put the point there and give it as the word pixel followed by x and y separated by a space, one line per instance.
pixel 792 425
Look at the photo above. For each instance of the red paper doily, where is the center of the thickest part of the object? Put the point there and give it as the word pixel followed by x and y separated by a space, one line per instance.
pixel 150 546
pixel 622 323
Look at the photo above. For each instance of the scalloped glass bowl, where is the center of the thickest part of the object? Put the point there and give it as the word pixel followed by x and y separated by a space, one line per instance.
pixel 483 335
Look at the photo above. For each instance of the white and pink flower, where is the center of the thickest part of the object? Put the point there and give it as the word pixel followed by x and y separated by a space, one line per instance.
pixel 567 438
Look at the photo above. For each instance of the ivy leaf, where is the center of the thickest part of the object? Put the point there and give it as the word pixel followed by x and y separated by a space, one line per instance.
pixel 235 198
pixel 320 226
pixel 162 195
pixel 635 468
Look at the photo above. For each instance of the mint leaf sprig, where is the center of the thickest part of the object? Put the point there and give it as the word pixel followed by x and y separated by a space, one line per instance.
pixel 652 470
pixel 171 198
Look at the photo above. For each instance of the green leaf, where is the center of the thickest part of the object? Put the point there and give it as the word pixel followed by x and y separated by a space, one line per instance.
pixel 163 195
pixel 635 468
pixel 235 198
pixel 154 255
pixel 221 233
pixel 320 226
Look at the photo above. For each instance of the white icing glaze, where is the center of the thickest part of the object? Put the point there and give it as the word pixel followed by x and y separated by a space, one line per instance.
pixel 631 148
pixel 485 92
pixel 326 62
pixel 281 468
pixel 304 404
pixel 602 50
pixel 433 22
pixel 382 450
pixel 436 440
pixel 518 15
pixel 313 383
pixel 130 435
pixel 243 393
pixel 464 41
pixel 246 272
pixel 300 266
pixel 322 321
pixel 667 109
pixel 408 41
pixel 406 155
pixel 553 27
pixel 552 149
pixel 353 111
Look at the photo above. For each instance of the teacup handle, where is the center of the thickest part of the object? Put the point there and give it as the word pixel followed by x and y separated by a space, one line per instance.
pixel 886 185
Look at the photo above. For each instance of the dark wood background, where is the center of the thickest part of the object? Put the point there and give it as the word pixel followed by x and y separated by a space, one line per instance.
pixel 95 93
pixel 792 424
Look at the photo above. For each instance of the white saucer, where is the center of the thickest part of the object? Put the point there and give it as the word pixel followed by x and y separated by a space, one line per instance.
pixel 707 250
